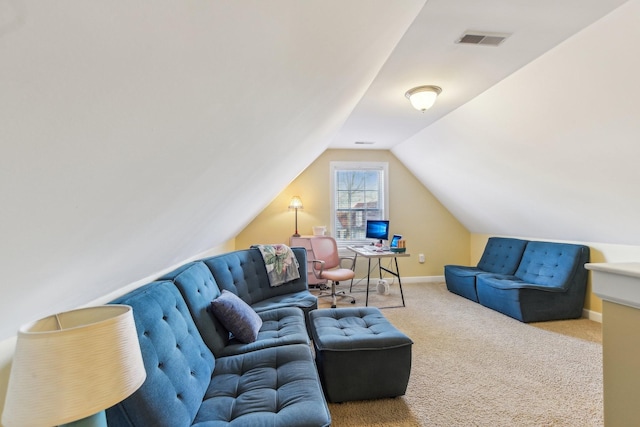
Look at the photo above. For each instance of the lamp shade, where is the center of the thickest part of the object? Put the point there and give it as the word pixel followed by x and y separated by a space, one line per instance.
pixel 423 97
pixel 72 365
pixel 295 203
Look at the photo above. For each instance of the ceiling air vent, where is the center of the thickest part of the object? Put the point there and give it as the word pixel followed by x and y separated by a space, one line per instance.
pixel 485 39
pixel 364 142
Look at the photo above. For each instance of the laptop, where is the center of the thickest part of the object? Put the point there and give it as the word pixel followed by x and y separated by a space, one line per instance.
pixel 394 241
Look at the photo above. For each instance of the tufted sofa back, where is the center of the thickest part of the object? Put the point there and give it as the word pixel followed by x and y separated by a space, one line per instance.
pixel 178 363
pixel 553 265
pixel 243 272
pixel 198 288
pixel 502 255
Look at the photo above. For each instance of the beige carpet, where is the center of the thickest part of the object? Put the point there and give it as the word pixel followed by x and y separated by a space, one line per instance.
pixel 475 367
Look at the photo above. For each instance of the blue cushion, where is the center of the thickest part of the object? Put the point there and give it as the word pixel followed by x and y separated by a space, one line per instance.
pixel 243 272
pixel 359 354
pixel 276 386
pixel 502 255
pixel 461 280
pixel 305 300
pixel 198 288
pixel 237 316
pixel 281 326
pixel 178 363
pixel 550 265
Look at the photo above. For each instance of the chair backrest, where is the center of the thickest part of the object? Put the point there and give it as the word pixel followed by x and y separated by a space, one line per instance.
pixel 554 265
pixel 502 255
pixel 325 249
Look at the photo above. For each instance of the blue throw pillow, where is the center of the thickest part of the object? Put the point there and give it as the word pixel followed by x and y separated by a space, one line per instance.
pixel 237 316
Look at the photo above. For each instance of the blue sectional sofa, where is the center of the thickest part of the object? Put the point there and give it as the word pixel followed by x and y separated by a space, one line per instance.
pixel 198 374
pixel 547 281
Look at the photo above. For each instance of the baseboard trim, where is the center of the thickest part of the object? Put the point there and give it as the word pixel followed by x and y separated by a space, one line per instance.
pixel 587 314
pixel 592 315
pixel 422 279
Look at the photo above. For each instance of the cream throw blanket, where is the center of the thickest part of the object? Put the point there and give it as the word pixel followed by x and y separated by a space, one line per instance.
pixel 282 265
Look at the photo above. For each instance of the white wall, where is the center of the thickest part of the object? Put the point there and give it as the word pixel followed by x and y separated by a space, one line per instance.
pixel 134 135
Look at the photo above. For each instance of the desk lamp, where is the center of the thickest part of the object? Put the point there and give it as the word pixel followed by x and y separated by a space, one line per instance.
pixel 69 367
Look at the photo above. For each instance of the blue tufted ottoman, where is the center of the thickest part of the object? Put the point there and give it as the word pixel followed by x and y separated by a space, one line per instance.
pixel 359 354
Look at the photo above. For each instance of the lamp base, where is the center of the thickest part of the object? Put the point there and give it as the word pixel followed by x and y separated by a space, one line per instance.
pixel 95 420
pixel 296 235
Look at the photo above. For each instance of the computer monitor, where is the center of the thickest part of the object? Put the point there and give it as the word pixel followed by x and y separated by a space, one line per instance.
pixel 377 229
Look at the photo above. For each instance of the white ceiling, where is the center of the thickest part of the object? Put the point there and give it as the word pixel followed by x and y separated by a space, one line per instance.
pixel 428 55
pixel 549 152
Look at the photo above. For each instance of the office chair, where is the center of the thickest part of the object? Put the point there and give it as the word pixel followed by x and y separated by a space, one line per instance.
pixel 327 265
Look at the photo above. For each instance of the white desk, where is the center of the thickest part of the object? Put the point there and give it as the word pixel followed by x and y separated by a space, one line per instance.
pixel 368 253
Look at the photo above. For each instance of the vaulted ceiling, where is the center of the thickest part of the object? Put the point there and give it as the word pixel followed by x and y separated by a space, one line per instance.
pixel 428 54
pixel 136 135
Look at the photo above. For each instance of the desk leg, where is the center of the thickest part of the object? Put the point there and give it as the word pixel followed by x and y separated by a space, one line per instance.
pixel 355 258
pixel 399 281
pixel 396 274
pixel 366 303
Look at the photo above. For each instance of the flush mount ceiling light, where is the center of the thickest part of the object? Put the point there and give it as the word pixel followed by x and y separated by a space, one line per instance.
pixel 423 97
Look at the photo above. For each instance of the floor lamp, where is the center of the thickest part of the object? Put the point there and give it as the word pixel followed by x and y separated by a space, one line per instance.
pixel 296 203
pixel 69 367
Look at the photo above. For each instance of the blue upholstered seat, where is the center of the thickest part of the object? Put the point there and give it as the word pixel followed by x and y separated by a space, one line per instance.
pixel 178 363
pixel 549 284
pixel 280 326
pixel 243 273
pixel 501 256
pixel 528 280
pixel 359 354
pixel 276 386
pixel 187 386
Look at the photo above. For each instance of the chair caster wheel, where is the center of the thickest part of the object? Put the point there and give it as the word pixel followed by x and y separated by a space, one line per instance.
pixel 353 302
pixel 333 306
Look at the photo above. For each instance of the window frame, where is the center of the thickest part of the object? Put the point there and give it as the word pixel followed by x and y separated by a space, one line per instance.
pixel 336 166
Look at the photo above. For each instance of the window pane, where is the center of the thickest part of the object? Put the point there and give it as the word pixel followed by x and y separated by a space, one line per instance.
pixel 359 196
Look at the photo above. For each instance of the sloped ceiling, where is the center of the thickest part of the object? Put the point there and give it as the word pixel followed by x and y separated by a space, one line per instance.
pixel 137 135
pixel 429 55
pixel 551 151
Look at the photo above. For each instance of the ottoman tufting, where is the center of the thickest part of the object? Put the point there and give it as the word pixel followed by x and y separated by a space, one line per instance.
pixel 359 354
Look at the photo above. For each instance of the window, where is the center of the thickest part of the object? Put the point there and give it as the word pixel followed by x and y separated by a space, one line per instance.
pixel 358 193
